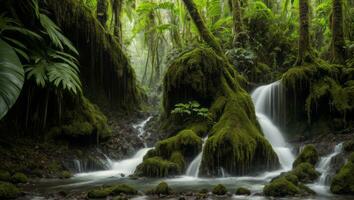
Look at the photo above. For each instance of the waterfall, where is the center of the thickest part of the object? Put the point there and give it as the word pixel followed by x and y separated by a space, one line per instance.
pixel 267 100
pixel 140 127
pixel 193 168
pixel 324 166
pixel 124 167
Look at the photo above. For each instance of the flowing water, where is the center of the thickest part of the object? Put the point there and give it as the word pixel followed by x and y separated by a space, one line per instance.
pixel 321 186
pixel 268 114
pixel 193 168
pixel 263 99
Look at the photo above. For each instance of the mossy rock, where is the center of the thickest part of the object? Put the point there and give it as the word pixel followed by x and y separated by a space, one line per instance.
pixel 305 172
pixel 219 190
pixel 19 178
pixel 309 154
pixel 242 191
pixel 178 158
pixel 281 187
pixel 82 120
pixel 113 190
pixel 343 181
pixel 157 167
pixel 8 191
pixel 162 188
pixel 65 175
pixel 235 141
pixel 203 191
pixel 187 142
pixel 5 175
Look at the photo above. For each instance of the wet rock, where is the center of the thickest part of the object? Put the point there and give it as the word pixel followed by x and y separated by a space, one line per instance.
pixel 219 190
pixel 243 191
pixel 343 181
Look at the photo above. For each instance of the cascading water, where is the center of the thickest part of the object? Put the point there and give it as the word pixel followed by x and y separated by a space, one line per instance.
pixel 193 168
pixel 125 167
pixel 324 166
pixel 267 100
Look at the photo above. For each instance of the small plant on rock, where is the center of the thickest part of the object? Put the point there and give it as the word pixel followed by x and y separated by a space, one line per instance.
pixel 191 109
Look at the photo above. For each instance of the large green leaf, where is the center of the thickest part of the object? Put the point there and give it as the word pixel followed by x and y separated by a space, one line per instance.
pixel 11 77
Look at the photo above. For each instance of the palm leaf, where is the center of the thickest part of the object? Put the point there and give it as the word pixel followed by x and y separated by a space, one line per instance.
pixel 11 77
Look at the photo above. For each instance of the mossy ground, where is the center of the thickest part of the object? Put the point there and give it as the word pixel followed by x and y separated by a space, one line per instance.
pixel 114 190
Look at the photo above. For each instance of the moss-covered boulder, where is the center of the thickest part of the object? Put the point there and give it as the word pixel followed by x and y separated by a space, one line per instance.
pixel 235 143
pixel 281 187
pixel 219 190
pixel 169 156
pixel 305 172
pixel 19 178
pixel 113 190
pixel 161 189
pixel 343 181
pixel 286 185
pixel 5 175
pixel 309 154
pixel 8 191
pixel 157 167
pixel 242 191
pixel 65 175
pixel 187 142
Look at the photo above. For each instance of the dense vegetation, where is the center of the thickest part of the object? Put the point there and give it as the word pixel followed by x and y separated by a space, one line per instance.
pixel 74 74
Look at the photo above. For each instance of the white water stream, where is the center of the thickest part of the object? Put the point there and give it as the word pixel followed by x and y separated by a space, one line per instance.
pixel 124 167
pixel 193 168
pixel 263 98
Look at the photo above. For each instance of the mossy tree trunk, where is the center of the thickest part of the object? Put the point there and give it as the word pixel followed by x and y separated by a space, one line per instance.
pixel 304 51
pixel 205 34
pixel 117 6
pixel 237 22
pixel 102 6
pixel 337 49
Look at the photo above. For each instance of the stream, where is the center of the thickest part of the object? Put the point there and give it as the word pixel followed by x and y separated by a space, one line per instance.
pixel 118 172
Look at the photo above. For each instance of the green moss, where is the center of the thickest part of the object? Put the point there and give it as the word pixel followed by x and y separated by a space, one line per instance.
pixel 308 154
pixel 5 175
pixel 281 187
pixel 178 158
pixel 305 172
pixel 19 178
pixel 123 189
pixel 219 190
pixel 343 181
pixel 8 191
pixel 243 191
pixel 157 167
pixel 187 142
pixel 82 119
pixel 65 175
pixel 162 188
pixel 99 193
pixel 108 76
pixel 235 141
pixel 113 190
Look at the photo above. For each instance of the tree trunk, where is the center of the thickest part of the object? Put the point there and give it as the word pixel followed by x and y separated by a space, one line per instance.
pixel 117 6
pixel 239 36
pixel 337 49
pixel 205 34
pixel 304 51
pixel 102 6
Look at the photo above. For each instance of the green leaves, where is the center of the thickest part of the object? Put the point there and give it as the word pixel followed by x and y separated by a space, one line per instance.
pixel 11 77
pixel 192 109
pixel 59 69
